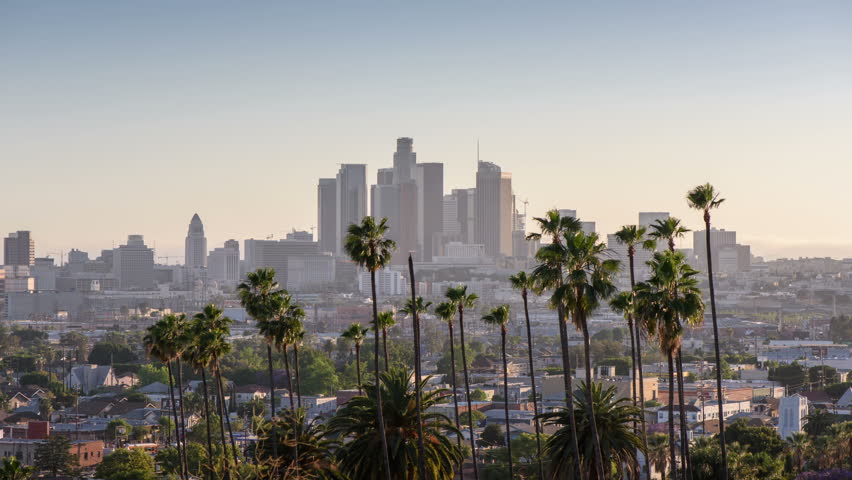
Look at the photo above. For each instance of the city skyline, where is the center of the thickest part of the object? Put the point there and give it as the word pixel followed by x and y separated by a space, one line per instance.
pixel 750 97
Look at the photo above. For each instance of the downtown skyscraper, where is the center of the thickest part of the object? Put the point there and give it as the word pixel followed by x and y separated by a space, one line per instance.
pixel 494 209
pixel 341 201
pixel 195 245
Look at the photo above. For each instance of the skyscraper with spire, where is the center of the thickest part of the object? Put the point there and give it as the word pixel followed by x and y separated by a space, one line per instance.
pixel 195 254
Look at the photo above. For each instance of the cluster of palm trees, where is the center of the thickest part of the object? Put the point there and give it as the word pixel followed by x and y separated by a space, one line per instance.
pixel 199 342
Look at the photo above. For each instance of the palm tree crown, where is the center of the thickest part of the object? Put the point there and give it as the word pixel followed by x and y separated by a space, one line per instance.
pixel 669 230
pixel 367 246
pixel 704 198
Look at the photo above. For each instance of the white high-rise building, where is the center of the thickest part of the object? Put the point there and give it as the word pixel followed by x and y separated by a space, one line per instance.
pixel 195 246
pixel 327 214
pixel 494 209
pixel 223 264
pixel 792 411
pixel 351 200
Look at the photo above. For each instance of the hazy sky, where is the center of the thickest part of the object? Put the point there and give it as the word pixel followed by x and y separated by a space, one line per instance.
pixel 121 117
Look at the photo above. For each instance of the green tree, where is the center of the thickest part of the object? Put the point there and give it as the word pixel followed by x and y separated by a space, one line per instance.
pixel 524 283
pixel 124 464
pixel 104 353
pixel 548 275
pixel 41 379
pixel 705 198
pixel 260 295
pixel 115 428
pixel 462 301
pixel 658 452
pixel 76 341
pixel 840 329
pixel 493 435
pixel 356 334
pixel 755 439
pixel 743 465
pixel 149 374
pixel 54 456
pixel 478 395
pixel 320 376
pixel 478 416
pixel 12 469
pixel 309 448
pixel 357 422
pixel 499 317
pixel 793 375
pixel 818 422
pixel 368 247
pixel 618 442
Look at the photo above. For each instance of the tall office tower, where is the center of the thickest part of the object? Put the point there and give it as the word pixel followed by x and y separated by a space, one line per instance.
pixel 720 240
pixel 494 209
pixel 327 214
pixel 384 176
pixel 19 249
pixel 223 264
pixel 451 224
pixel 466 215
pixel 404 160
pixel 195 246
pixel 351 200
pixel 133 264
pixel 430 208
pixel 297 263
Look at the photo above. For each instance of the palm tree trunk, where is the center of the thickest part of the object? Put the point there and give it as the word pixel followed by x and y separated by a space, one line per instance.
pixel 418 392
pixel 227 414
pixel 506 399
pixel 175 416
pixel 298 378
pixel 721 397
pixel 569 391
pixel 220 407
pixel 596 443
pixel 641 377
pixel 207 422
pixel 385 348
pixel 532 383
pixel 380 414
pixel 272 403
pixel 633 390
pixel 181 430
pixel 453 370
pixel 684 436
pixel 672 457
pixel 289 377
pixel 467 394
pixel 358 367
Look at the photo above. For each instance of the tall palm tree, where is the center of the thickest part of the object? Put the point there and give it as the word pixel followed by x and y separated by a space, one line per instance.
pixel 461 301
pixel 356 422
pixel 799 445
pixel 619 443
pixel 548 276
pixel 588 282
pixel 182 340
pixel 161 343
pixel 669 230
pixel 524 283
pixel 658 452
pixel 499 317
pixel 278 330
pixel 705 198
pixel 665 303
pixel 633 236
pixel 414 308
pixel 259 295
pixel 213 340
pixel 446 311
pixel 356 334
pixel 296 330
pixel 310 448
pixel 368 247
pixel 198 356
pixel 387 320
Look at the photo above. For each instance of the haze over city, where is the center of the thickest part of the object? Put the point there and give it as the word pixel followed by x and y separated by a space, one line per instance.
pixel 135 119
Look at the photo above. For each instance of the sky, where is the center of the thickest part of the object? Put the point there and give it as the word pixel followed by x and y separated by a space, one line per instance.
pixel 121 117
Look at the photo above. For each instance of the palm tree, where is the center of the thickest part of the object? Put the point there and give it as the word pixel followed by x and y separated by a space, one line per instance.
pixel 446 311
pixel 414 307
pixel 669 230
pixel 387 321
pixel 216 328
pixel 259 296
pixel 462 300
pixel 278 332
pixel 296 330
pixel 799 442
pixel 658 452
pixel 633 236
pixel 367 246
pixel 548 276
pixel 499 317
pixel 618 442
pixel 356 422
pixel 356 334
pixel 706 198
pixel 12 469
pixel 162 342
pixel 589 281
pixel 198 356
pixel 309 447
pixel 524 283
